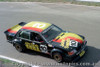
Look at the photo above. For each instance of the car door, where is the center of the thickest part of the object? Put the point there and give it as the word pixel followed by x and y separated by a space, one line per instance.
pixel 38 40
pixel 33 41
pixel 25 37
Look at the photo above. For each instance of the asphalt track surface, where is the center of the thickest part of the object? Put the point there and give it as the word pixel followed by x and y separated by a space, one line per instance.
pixel 83 20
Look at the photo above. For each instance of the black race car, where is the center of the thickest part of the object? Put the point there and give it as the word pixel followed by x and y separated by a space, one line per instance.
pixel 47 38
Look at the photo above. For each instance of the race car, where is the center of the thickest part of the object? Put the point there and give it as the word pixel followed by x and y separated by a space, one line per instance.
pixel 47 38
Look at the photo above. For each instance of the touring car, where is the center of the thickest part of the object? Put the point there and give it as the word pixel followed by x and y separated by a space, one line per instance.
pixel 47 38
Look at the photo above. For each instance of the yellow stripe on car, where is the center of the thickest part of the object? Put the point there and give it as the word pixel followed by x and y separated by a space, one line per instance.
pixel 35 24
pixel 16 27
pixel 69 34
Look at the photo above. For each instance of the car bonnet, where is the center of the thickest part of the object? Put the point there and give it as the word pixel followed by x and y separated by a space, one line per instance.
pixel 65 37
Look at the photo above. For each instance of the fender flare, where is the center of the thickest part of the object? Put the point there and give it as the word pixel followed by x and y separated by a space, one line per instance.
pixel 56 50
pixel 16 41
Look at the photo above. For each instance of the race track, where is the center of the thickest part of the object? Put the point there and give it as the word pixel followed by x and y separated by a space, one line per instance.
pixel 78 19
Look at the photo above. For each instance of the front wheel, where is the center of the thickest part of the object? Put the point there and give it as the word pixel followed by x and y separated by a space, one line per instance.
pixel 19 48
pixel 58 57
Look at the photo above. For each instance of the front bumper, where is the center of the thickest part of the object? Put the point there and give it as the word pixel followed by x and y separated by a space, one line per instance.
pixel 77 55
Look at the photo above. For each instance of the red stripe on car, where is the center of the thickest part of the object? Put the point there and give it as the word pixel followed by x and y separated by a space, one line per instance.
pixel 57 40
pixel 73 38
pixel 11 31
pixel 32 28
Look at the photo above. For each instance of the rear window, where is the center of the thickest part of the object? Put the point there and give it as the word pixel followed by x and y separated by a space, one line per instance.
pixel 24 34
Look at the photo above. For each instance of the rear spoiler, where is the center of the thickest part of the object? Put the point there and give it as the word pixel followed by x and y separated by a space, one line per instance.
pixel 10 33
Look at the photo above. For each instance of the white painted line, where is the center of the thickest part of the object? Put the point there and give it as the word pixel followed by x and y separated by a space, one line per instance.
pixel 1 56
pixel 35 66
pixel 18 61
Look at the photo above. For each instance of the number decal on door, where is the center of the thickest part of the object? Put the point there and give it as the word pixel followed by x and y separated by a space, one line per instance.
pixel 31 46
pixel 43 48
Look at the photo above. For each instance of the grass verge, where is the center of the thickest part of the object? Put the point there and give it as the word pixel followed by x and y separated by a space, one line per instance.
pixel 86 3
pixel 37 0
pixel 8 63
pixel 55 1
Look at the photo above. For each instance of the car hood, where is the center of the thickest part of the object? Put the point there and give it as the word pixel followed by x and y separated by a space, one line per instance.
pixel 67 40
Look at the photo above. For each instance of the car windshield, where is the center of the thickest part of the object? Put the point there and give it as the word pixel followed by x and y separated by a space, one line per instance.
pixel 51 33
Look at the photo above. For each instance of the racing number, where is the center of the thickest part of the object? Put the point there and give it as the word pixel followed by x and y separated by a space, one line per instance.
pixel 38 25
pixel 43 48
pixel 65 43
pixel 32 46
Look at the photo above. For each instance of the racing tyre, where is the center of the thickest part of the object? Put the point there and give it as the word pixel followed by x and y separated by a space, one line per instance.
pixel 19 48
pixel 57 57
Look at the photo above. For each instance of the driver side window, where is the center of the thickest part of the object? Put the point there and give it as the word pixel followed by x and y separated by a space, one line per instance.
pixel 36 37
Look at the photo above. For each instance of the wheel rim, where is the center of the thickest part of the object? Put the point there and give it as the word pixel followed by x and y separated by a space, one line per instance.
pixel 18 48
pixel 58 57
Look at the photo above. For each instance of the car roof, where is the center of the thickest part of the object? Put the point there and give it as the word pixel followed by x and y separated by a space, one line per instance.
pixel 36 26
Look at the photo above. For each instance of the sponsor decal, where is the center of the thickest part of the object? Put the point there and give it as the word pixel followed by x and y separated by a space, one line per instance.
pixel 65 43
pixel 32 46
pixel 68 42
pixel 66 36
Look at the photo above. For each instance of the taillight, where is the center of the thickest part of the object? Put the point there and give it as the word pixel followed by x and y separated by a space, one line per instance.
pixel 72 52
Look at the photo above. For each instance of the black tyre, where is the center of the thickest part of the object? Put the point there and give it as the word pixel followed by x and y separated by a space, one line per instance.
pixel 19 47
pixel 58 57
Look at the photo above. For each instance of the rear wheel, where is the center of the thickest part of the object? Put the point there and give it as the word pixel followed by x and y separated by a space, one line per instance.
pixel 58 57
pixel 19 48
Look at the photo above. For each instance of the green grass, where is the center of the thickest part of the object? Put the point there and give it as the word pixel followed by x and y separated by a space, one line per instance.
pixel 38 0
pixel 53 1
pixel 87 3
pixel 8 63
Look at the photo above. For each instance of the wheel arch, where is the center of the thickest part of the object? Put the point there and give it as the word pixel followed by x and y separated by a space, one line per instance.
pixel 16 41
pixel 56 50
